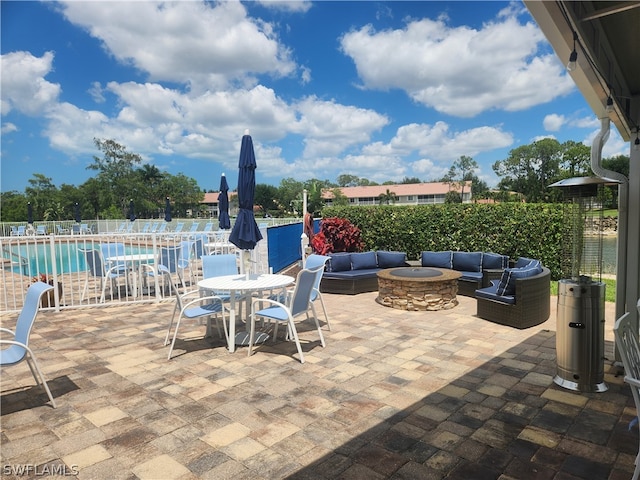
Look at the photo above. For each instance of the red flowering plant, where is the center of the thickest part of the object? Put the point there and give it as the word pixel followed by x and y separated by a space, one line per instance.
pixel 337 235
pixel 42 277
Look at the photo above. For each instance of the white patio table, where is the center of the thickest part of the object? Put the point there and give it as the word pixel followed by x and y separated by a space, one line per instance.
pixel 243 283
pixel 133 261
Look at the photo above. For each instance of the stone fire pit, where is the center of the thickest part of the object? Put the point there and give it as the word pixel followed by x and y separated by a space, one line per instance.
pixel 418 288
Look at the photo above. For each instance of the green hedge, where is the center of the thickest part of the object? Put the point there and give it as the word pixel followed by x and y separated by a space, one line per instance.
pixel 514 229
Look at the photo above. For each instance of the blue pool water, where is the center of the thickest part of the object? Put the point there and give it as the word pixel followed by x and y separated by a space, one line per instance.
pixel 37 257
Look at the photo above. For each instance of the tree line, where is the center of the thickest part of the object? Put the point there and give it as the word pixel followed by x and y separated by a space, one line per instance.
pixel 122 176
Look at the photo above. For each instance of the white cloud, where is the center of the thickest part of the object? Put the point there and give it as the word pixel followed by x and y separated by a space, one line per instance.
pixel 553 122
pixel 459 70
pixel 330 128
pixel 586 122
pixel 615 144
pixel 97 92
pixel 170 40
pixel 542 137
pixel 23 85
pixel 295 6
pixel 438 143
pixel 9 127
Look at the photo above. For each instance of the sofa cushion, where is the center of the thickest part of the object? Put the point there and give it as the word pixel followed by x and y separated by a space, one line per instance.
pixel 490 293
pixel 523 262
pixel 339 262
pixel 507 285
pixel 494 261
pixel 475 276
pixel 391 259
pixel 363 261
pixel 467 261
pixel 437 259
pixel 353 274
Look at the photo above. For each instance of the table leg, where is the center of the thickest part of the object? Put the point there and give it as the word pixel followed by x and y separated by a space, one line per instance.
pixel 232 321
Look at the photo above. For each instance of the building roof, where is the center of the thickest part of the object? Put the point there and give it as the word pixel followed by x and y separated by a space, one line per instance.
pixel 401 189
pixel 211 198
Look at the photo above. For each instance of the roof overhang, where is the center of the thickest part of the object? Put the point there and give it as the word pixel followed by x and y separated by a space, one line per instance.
pixel 608 46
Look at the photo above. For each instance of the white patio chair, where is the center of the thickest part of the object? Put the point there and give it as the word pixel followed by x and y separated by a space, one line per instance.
pixel 18 346
pixel 298 303
pixel 107 275
pixel 200 307
pixel 626 337
pixel 312 262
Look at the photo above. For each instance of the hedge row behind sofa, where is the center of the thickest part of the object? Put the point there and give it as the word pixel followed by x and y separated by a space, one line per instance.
pixel 353 273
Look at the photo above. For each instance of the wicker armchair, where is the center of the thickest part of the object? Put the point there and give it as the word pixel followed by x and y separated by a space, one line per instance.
pixel 532 304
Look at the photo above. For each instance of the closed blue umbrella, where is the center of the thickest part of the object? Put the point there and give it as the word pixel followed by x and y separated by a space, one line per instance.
pixel 245 233
pixel 167 210
pixel 132 215
pixel 29 213
pixel 223 204
pixel 77 215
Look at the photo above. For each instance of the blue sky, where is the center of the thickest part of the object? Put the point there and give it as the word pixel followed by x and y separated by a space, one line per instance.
pixel 381 90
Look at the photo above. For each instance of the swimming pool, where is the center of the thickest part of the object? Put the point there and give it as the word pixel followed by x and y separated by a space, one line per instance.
pixel 36 258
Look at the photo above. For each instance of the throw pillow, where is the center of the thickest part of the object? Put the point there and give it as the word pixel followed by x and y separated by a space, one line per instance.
pixel 523 262
pixel 494 261
pixel 363 261
pixel 437 259
pixel 507 285
pixel 339 262
pixel 391 259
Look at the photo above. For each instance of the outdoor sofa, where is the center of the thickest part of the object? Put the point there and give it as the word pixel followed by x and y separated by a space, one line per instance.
pixel 477 268
pixel 356 272
pixel 521 298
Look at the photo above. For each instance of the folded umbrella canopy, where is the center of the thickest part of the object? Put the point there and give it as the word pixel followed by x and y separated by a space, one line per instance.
pixel 29 213
pixel 167 210
pixel 132 215
pixel 245 233
pixel 223 204
pixel 76 209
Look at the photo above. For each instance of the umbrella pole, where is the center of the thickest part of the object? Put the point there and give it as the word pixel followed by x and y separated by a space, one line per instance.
pixel 245 262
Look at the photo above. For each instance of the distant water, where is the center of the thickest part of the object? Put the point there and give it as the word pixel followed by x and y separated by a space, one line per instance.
pixel 609 246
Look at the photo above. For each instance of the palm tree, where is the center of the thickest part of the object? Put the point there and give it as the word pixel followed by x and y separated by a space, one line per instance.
pixel 387 197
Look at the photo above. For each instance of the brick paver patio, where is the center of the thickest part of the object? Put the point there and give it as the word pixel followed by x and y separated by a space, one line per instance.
pixel 395 394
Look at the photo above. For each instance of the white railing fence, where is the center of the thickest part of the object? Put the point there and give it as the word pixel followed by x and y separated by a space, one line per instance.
pixel 130 261
pixel 101 227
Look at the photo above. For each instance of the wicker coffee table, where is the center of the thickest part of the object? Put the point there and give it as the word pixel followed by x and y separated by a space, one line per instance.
pixel 418 288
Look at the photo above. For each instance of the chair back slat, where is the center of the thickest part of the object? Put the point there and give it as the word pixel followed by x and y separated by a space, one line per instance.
pixel 302 293
pixel 30 310
pixel 219 265
pixel 170 258
pixel 626 338
pixel 94 261
pixel 313 262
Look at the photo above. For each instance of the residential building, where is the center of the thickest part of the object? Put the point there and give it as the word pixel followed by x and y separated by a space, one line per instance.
pixel 211 202
pixel 405 193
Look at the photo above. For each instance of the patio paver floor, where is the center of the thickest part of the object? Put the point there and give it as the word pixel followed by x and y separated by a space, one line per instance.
pixel 395 394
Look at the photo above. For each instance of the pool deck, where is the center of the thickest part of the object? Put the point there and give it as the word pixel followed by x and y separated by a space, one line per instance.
pixel 394 395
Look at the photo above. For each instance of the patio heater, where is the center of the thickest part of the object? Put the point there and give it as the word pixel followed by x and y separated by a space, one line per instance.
pixel 581 293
